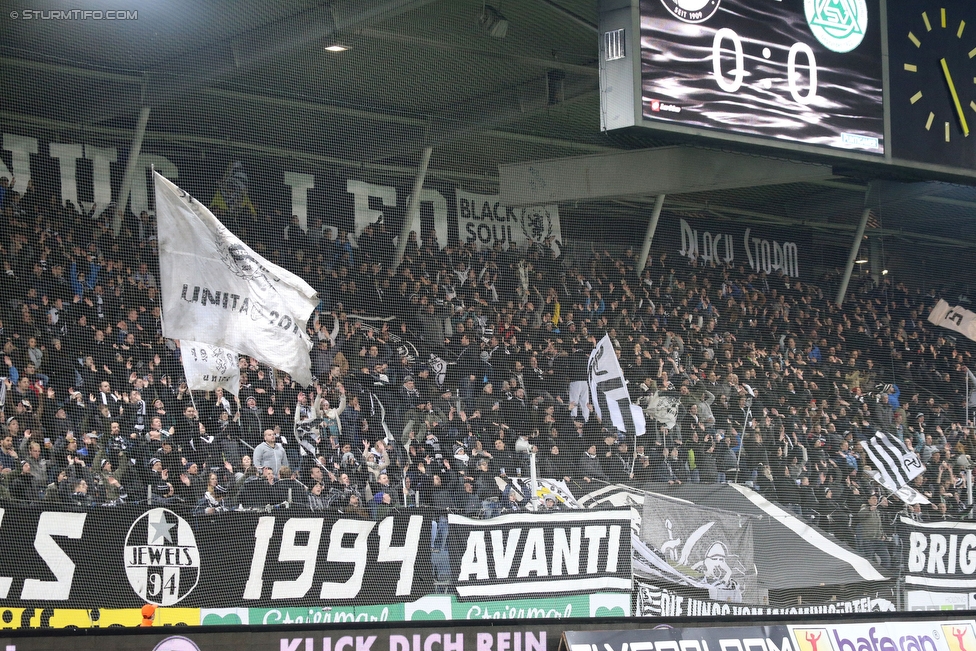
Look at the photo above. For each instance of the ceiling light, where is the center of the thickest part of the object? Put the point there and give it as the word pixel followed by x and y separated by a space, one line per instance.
pixel 884 272
pixel 336 47
pixel 861 261
pixel 493 22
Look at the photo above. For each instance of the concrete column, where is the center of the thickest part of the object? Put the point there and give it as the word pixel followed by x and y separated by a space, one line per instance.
pixel 649 235
pixel 855 247
pixel 877 262
pixel 413 208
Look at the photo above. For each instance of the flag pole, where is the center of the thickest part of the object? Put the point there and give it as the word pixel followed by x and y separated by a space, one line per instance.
pixel 633 460
pixel 969 486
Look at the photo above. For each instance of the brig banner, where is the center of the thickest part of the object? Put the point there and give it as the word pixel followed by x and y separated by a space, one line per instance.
pixel 941 555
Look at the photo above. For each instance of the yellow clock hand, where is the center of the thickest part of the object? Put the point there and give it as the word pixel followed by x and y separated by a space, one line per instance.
pixel 955 98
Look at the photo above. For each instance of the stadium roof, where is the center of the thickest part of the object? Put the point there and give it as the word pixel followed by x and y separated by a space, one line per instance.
pixel 255 77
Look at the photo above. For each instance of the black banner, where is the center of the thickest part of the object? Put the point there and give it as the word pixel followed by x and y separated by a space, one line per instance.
pixel 801 634
pixel 432 636
pixel 674 601
pixel 116 558
pixel 745 637
pixel 759 249
pixel 882 635
pixel 347 200
pixel 541 553
pixel 940 555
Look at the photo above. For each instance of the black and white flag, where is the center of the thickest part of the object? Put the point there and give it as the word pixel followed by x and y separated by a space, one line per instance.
pixel 906 493
pixel 955 318
pixel 608 389
pixel 895 462
pixel 707 548
pixel 216 290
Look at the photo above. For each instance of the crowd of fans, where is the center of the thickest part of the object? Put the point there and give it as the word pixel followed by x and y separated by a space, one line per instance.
pixel 430 373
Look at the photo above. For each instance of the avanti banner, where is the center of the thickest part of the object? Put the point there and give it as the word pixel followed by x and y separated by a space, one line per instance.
pixel 569 552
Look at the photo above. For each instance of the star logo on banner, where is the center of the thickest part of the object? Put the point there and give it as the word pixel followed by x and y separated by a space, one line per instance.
pixel 161 558
pixel 160 529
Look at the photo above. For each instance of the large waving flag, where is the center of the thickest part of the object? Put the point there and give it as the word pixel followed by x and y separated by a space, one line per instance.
pixel 955 318
pixel 609 391
pixel 896 464
pixel 217 290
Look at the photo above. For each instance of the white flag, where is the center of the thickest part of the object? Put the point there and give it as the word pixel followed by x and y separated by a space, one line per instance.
pixel 894 462
pixel 207 367
pixel 608 389
pixel 663 409
pixel 216 289
pixel 955 318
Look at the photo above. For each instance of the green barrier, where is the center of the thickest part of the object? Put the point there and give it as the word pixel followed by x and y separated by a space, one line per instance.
pixel 430 608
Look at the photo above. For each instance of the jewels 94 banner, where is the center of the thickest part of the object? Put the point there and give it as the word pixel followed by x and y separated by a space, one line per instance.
pixel 125 557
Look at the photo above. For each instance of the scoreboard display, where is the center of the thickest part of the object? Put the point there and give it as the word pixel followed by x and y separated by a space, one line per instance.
pixel 887 82
pixel 805 71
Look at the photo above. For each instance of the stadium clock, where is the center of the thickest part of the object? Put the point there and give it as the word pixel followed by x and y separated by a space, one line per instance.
pixel 932 54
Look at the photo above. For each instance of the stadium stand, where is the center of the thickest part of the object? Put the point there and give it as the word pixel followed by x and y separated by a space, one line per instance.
pixel 429 373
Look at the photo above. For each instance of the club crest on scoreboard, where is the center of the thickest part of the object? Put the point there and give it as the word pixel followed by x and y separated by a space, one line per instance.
pixel 839 25
pixel 692 11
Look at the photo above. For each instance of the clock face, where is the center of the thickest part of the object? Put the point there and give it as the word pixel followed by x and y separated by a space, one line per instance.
pixel 932 56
